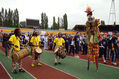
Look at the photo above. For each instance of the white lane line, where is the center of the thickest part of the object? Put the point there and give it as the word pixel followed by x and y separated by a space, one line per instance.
pixel 30 74
pixel 102 64
pixel 23 68
pixel 6 70
pixel 59 70
pixel 91 61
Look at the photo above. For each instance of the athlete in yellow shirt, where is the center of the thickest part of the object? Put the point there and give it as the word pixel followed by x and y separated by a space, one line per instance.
pixel 59 43
pixel 15 42
pixel 35 43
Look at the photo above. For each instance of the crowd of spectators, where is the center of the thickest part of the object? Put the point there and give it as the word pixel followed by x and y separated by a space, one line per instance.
pixel 74 44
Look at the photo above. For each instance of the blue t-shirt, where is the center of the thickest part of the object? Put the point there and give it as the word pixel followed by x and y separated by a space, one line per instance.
pixel 76 39
pixel 114 41
pixel 101 44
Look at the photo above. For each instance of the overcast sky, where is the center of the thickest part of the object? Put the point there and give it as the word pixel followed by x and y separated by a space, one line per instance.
pixel 73 8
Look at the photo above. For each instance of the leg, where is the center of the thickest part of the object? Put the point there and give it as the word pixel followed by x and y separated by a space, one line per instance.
pixel 114 57
pixel 59 61
pixel 20 66
pixel 38 61
pixel 86 49
pixel 33 58
pixel 55 59
pixel 109 52
pixel 97 59
pixel 83 50
pixel 89 55
pixel 105 55
pixel 89 59
pixel 73 49
pixel 69 50
pixel 6 50
pixel 14 67
pixel 77 51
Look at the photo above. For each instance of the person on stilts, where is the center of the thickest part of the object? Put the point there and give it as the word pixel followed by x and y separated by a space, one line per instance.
pixel 92 30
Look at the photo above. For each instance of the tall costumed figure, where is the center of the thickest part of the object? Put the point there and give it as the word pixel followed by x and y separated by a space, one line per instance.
pixel 92 31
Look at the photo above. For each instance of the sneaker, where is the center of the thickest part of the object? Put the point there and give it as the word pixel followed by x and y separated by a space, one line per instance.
pixel 114 63
pixel 59 62
pixel 97 70
pixel 21 70
pixel 104 61
pixel 14 71
pixel 55 63
pixel 77 57
pixel 32 65
pixel 39 64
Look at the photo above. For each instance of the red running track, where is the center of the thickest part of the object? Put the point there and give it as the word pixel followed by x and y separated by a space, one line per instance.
pixel 44 71
pixel 3 73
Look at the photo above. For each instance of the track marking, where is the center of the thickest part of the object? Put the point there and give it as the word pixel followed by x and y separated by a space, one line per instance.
pixel 6 71
pixel 91 61
pixel 102 64
pixel 30 74
pixel 99 63
pixel 59 70
pixel 23 68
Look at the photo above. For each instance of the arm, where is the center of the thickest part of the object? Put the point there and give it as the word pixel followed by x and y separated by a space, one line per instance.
pixel 10 42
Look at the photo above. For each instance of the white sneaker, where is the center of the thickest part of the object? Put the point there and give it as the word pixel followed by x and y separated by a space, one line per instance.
pixel 114 63
pixel 104 61
pixel 77 57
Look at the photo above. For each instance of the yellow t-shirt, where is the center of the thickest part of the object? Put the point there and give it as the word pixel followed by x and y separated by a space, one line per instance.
pixel 35 41
pixel 15 40
pixel 59 41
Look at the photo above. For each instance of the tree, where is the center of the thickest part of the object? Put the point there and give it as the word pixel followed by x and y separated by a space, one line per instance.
pixel 65 21
pixel 0 19
pixel 102 22
pixel 114 23
pixel 58 23
pixel 5 23
pixel 54 26
pixel 16 18
pixel 2 16
pixel 10 18
pixel 44 21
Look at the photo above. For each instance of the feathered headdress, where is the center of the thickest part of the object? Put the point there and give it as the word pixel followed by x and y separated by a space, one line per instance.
pixel 89 10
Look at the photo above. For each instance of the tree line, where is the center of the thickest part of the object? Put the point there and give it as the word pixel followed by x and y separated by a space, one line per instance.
pixel 62 22
pixel 10 18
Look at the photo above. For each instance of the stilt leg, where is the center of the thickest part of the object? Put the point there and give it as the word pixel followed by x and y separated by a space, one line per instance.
pixel 97 63
pixel 88 63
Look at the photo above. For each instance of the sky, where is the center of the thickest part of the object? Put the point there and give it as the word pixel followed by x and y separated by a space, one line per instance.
pixel 73 8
